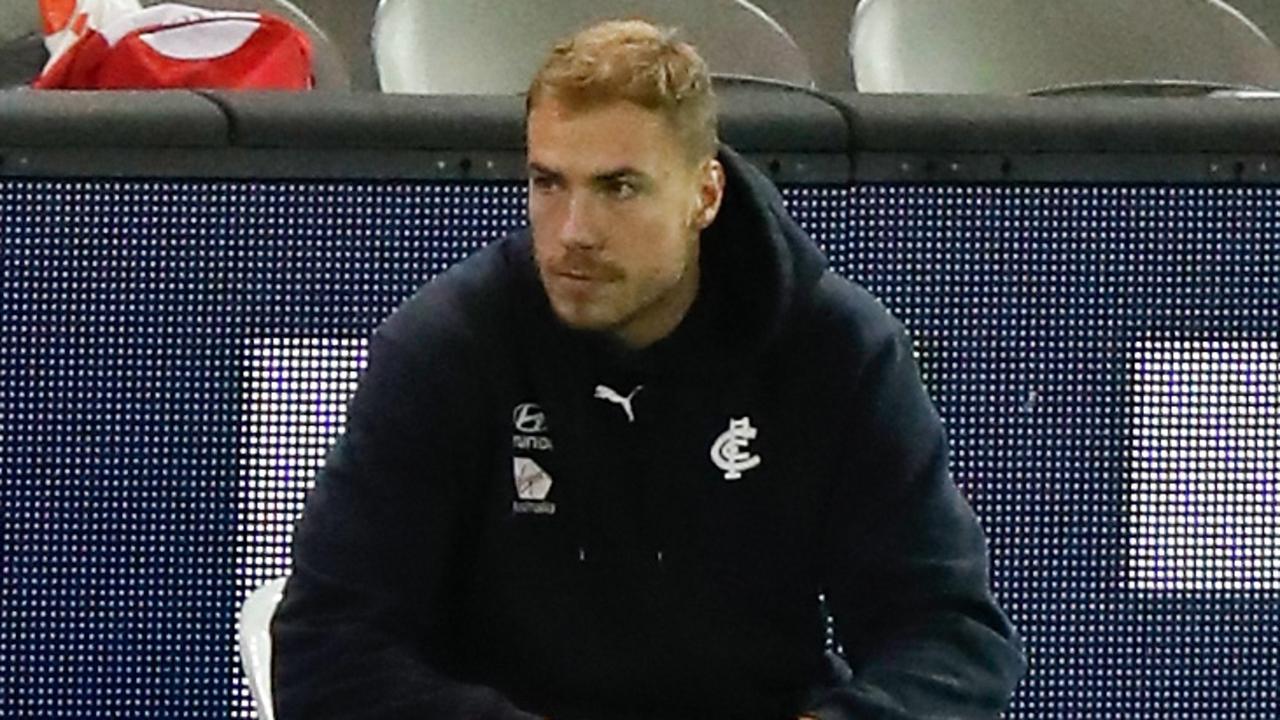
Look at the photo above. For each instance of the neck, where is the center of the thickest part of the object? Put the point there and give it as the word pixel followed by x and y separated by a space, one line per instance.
pixel 665 315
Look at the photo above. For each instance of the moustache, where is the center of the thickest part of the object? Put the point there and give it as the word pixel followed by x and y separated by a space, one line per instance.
pixel 578 266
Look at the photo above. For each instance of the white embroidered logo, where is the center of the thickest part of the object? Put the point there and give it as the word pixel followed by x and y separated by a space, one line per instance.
pixel 529 418
pixel 532 482
pixel 530 423
pixel 607 393
pixel 729 452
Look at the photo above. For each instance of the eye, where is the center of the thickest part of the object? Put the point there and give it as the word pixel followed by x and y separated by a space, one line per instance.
pixel 622 189
pixel 543 183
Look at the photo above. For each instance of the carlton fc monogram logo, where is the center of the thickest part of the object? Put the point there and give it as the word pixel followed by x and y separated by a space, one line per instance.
pixel 730 453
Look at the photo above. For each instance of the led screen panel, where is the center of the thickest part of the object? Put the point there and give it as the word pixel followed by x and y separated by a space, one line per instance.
pixel 177 356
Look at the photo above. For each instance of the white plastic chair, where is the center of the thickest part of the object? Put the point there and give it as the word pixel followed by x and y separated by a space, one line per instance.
pixel 495 46
pixel 1050 47
pixel 254 632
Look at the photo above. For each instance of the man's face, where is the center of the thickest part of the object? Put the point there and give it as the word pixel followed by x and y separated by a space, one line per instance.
pixel 616 209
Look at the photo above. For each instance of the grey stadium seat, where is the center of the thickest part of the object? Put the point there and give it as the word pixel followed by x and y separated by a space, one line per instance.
pixel 821 29
pixel 22 53
pixel 1056 47
pixel 495 46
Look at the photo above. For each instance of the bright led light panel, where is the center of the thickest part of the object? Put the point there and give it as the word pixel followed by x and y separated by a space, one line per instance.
pixel 1204 466
pixel 295 400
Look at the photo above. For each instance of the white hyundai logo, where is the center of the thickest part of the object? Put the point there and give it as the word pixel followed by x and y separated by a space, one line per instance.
pixel 529 418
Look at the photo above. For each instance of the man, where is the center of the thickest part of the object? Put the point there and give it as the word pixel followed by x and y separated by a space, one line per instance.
pixel 620 464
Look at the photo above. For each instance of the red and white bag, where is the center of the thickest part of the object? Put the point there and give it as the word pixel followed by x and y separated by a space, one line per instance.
pixel 102 44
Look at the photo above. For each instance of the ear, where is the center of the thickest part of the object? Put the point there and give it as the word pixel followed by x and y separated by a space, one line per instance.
pixel 710 192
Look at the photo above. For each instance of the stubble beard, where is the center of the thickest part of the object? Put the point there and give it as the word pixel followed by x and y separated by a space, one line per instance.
pixel 624 301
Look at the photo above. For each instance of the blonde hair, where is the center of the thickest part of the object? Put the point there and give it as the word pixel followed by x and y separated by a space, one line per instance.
pixel 634 61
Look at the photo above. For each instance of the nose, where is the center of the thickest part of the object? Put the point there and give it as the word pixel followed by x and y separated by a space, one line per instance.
pixel 576 230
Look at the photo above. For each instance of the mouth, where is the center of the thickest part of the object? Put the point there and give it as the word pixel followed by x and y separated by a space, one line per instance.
pixel 577 276
pixel 578 284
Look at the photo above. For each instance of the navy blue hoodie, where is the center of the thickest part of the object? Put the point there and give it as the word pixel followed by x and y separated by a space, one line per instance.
pixel 526 520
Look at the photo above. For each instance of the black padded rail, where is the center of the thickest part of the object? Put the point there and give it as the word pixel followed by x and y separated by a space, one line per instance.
pixel 759 117
pixel 97 119
pixel 763 118
pixel 798 135
pixel 372 121
pixel 973 123
pixel 754 116
pixel 969 138
pixel 795 134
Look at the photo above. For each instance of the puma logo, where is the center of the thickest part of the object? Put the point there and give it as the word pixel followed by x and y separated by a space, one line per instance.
pixel 608 393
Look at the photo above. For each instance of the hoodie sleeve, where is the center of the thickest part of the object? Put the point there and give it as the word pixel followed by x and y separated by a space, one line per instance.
pixel 907 568
pixel 363 630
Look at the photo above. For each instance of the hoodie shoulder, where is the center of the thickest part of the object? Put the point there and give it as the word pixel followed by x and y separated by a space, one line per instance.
pixel 849 325
pixel 465 305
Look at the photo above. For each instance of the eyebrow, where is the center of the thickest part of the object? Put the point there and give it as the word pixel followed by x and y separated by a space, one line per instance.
pixel 622 173
pixel 542 169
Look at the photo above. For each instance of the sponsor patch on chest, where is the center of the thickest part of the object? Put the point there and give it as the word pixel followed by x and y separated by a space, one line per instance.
pixel 530 428
pixel 530 432
pixel 533 484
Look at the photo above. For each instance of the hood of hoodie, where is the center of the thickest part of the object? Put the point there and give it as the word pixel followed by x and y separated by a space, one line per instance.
pixel 756 266
pixel 761 264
